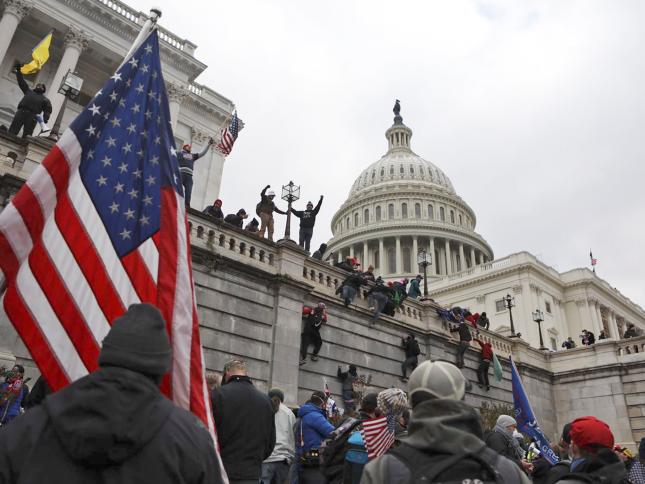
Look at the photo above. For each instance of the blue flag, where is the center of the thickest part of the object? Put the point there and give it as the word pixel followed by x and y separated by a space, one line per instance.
pixel 526 421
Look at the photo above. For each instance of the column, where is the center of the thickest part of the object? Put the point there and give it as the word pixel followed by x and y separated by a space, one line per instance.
pixel 399 261
pixel 433 267
pixel 351 251
pixel 462 257
pixel 14 12
pixel 448 258
pixel 75 42
pixel 613 326
pixel 415 252
pixel 381 256
pixel 340 255
pixel 599 316
pixel 176 95
pixel 481 257
pixel 366 258
pixel 473 259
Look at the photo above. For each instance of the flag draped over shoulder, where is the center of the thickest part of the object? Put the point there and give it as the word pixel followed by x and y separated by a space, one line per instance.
pixel 526 421
pixel 39 56
pixel 101 225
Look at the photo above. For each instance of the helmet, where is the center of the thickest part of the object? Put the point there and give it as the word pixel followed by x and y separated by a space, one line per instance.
pixel 270 193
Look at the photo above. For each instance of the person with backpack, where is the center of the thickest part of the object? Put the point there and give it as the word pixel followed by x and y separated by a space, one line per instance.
pixel 314 319
pixel 313 429
pixel 444 442
pixel 347 379
pixel 412 351
pixel 464 341
pixel 593 460
pixel 265 210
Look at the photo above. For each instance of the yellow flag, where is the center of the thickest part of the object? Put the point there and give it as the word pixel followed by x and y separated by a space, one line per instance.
pixel 40 54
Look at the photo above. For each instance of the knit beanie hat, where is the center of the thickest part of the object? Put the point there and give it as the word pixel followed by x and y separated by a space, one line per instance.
pixel 436 380
pixel 587 431
pixel 276 392
pixel 392 401
pixel 505 420
pixel 138 341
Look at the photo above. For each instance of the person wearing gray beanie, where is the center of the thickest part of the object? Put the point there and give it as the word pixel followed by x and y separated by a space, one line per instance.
pixel 502 441
pixel 113 425
pixel 442 429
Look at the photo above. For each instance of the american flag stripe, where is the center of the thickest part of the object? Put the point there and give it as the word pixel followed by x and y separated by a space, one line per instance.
pixel 378 436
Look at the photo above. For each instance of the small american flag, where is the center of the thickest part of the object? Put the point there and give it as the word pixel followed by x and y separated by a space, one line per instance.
pixel 378 435
pixel 101 225
pixel 594 261
pixel 228 136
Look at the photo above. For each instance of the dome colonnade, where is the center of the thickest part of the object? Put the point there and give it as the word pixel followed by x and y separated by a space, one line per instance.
pixel 403 204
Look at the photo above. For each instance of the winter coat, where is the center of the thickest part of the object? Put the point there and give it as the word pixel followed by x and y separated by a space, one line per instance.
pixel 483 322
pixel 464 332
pixel 315 427
pixel 213 211
pixel 320 252
pixel 347 380
pixel 234 219
pixel 487 350
pixel 10 408
pixel 439 427
pixel 502 445
pixel 112 426
pixel 33 101
pixel 354 280
pixel 313 319
pixel 245 425
pixel 411 348
pixel 307 217
pixel 414 291
pixel 266 205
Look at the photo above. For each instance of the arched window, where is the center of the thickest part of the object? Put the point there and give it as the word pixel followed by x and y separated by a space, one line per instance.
pixel 378 213
pixel 442 214
pixel 461 220
pixel 417 210
pixel 407 266
pixel 452 217
pixel 391 260
pixel 404 210
pixel 390 211
pixel 356 219
pixel 366 216
pixel 430 212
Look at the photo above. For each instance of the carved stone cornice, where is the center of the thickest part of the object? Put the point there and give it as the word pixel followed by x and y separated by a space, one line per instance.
pixel 535 287
pixel 199 136
pixel 75 37
pixel 581 302
pixel 176 92
pixel 18 8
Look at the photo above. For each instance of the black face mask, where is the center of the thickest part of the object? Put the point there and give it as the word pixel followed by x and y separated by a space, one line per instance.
pixel 40 89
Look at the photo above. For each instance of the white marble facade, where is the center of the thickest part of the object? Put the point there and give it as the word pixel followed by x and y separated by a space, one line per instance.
pixel 91 37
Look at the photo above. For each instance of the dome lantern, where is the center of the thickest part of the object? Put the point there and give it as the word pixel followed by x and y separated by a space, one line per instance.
pixel 398 136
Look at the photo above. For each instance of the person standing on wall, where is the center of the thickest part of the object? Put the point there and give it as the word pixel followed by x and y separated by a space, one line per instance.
pixel 307 221
pixel 265 210
pixel 187 161
pixel 31 105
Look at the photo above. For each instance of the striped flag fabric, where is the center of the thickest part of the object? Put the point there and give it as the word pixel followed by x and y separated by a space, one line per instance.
pixel 378 435
pixel 228 136
pixel 100 225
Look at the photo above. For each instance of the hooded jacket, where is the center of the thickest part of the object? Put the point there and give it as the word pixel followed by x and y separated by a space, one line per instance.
pixel 440 427
pixel 112 426
pixel 320 252
pixel 307 217
pixel 33 101
pixel 314 427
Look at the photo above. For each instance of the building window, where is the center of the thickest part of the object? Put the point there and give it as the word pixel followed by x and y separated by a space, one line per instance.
pixel 430 212
pixel 356 220
pixel 382 172
pixel 366 216
pixel 390 211
pixel 547 306
pixel 391 261
pixel 452 217
pixel 376 259
pixel 373 174
pixel 417 210
pixel 442 214
pixel 347 222
pixel 378 214
pixel 404 210
pixel 461 220
pixel 411 169
pixel 407 266
pixel 500 306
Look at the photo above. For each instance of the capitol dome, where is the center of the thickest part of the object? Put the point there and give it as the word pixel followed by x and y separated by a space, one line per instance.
pixel 402 205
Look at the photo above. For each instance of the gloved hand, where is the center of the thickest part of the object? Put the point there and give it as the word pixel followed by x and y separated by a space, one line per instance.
pixel 17 66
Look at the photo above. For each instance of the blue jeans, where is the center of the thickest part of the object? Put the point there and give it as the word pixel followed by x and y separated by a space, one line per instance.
pixel 349 293
pixel 187 181
pixel 274 472
pixel 380 300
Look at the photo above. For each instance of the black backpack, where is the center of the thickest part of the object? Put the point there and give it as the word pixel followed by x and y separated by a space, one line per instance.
pixel 333 449
pixel 425 467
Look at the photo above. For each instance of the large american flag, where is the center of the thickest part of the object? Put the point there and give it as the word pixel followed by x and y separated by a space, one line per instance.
pixel 101 225
pixel 378 435
pixel 228 136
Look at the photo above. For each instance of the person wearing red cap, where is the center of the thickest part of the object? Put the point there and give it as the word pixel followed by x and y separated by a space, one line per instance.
pixel 214 210
pixel 592 455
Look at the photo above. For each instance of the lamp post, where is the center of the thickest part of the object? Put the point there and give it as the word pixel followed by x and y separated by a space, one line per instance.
pixel 424 259
pixel 538 317
pixel 290 193
pixel 70 88
pixel 509 302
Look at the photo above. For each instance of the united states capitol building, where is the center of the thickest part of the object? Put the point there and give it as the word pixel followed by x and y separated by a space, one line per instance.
pixel 91 37
pixel 403 204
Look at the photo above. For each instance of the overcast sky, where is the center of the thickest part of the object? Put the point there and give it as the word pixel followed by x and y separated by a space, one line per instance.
pixel 534 110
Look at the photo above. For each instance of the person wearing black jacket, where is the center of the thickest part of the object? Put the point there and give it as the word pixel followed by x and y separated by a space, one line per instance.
pixel 215 210
pixel 348 378
pixel 307 221
pixel 32 104
pixel 464 341
pixel 318 254
pixel 351 286
pixel 412 351
pixel 236 219
pixel 245 424
pixel 379 295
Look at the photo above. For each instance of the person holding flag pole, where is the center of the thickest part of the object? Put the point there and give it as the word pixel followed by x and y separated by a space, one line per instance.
pixel 94 261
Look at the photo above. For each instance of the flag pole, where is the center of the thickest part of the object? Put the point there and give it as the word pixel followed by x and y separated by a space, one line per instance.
pixel 148 26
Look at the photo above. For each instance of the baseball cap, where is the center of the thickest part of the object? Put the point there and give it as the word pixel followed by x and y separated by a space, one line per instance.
pixel 588 431
pixel 438 380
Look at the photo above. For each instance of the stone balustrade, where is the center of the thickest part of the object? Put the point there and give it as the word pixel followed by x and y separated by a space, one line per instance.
pixel 630 346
